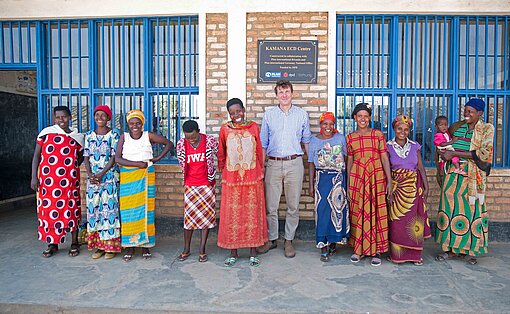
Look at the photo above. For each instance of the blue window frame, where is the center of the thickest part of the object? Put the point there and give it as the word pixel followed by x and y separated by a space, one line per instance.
pixel 18 44
pixel 424 66
pixel 128 63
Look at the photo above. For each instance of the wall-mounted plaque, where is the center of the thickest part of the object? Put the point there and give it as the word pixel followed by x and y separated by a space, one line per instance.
pixel 292 60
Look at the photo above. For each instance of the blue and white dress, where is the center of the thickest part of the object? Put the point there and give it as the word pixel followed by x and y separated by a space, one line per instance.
pixel 103 224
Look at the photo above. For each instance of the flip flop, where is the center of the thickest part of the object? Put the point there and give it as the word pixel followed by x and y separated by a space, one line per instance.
pixel 472 261
pixel 183 256
pixel 50 251
pixel 324 257
pixel 147 255
pixel 127 257
pixel 75 250
pixel 202 258
pixel 231 261
pixel 447 256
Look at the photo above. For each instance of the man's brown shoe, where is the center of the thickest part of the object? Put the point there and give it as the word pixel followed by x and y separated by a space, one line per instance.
pixel 289 249
pixel 266 247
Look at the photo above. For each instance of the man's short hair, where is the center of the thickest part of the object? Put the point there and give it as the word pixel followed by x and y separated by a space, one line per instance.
pixel 62 108
pixel 190 126
pixel 283 84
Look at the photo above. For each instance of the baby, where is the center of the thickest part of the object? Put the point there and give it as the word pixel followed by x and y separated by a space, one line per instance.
pixel 444 141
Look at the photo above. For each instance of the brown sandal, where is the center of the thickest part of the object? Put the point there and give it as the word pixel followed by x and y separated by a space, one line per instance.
pixel 75 250
pixel 202 258
pixel 50 251
pixel 183 256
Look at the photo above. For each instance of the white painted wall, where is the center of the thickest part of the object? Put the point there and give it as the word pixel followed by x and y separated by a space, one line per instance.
pixel 50 9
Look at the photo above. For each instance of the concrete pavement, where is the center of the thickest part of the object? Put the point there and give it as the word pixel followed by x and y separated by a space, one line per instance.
pixel 34 284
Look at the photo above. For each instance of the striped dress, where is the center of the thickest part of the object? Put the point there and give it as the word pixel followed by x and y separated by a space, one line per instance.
pixel 137 194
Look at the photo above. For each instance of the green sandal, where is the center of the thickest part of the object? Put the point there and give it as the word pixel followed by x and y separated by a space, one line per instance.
pixel 230 261
pixel 254 261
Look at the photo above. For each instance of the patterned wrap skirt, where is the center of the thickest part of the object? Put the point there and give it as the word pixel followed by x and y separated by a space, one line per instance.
pixel 332 212
pixel 137 202
pixel 408 223
pixel 199 207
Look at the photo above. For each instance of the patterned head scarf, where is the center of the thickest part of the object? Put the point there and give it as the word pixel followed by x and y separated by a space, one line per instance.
pixel 135 114
pixel 402 120
pixel 328 116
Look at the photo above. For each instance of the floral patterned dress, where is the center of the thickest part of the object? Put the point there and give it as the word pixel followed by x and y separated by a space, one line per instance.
pixel 103 224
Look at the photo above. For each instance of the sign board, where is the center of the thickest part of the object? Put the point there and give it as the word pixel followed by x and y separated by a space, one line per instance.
pixel 292 60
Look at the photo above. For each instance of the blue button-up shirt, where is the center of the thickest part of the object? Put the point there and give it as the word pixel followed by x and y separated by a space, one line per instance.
pixel 282 133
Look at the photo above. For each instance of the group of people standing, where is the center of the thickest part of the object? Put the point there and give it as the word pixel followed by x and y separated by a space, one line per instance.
pixel 368 192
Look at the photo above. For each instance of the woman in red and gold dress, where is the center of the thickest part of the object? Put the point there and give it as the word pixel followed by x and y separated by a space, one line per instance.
pixel 241 162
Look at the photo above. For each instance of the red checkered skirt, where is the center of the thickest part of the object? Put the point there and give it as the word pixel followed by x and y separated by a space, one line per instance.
pixel 199 207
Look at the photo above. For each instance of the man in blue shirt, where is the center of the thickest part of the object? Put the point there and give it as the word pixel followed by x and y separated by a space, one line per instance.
pixel 284 128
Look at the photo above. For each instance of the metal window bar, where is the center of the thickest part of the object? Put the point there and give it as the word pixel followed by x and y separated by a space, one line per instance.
pixel 435 64
pixel 17 45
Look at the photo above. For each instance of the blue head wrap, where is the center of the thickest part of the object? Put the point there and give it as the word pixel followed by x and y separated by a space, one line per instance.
pixel 476 103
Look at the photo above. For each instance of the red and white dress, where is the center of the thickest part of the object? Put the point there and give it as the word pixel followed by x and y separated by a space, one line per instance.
pixel 58 197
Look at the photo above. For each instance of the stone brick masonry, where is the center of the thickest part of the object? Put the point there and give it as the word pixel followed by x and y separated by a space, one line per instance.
pixel 311 97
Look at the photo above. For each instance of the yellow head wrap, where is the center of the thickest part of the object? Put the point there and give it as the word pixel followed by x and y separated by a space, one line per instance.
pixel 135 114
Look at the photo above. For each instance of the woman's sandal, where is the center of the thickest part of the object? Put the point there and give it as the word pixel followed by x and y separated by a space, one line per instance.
pixel 447 256
pixel 75 250
pixel 183 256
pixel 50 251
pixel 418 263
pixel 376 260
pixel 254 261
pixel 202 258
pixel 129 255
pixel 324 257
pixel 231 261
pixel 146 254
pixel 472 261
pixel 355 258
pixel 331 250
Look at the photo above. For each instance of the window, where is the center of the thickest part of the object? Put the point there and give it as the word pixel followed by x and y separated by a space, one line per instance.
pixel 127 63
pixel 424 66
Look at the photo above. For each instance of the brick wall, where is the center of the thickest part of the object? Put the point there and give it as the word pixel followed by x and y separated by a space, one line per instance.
pixel 311 97
pixel 216 71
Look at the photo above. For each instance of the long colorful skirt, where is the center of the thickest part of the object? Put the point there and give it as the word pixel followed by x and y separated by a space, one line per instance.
pixel 331 210
pixel 368 211
pixel 103 223
pixel 408 224
pixel 243 221
pixel 137 200
pixel 199 207
pixel 462 228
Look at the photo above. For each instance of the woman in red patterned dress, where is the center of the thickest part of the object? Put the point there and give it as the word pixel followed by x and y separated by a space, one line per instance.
pixel 369 179
pixel 241 162
pixel 56 179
